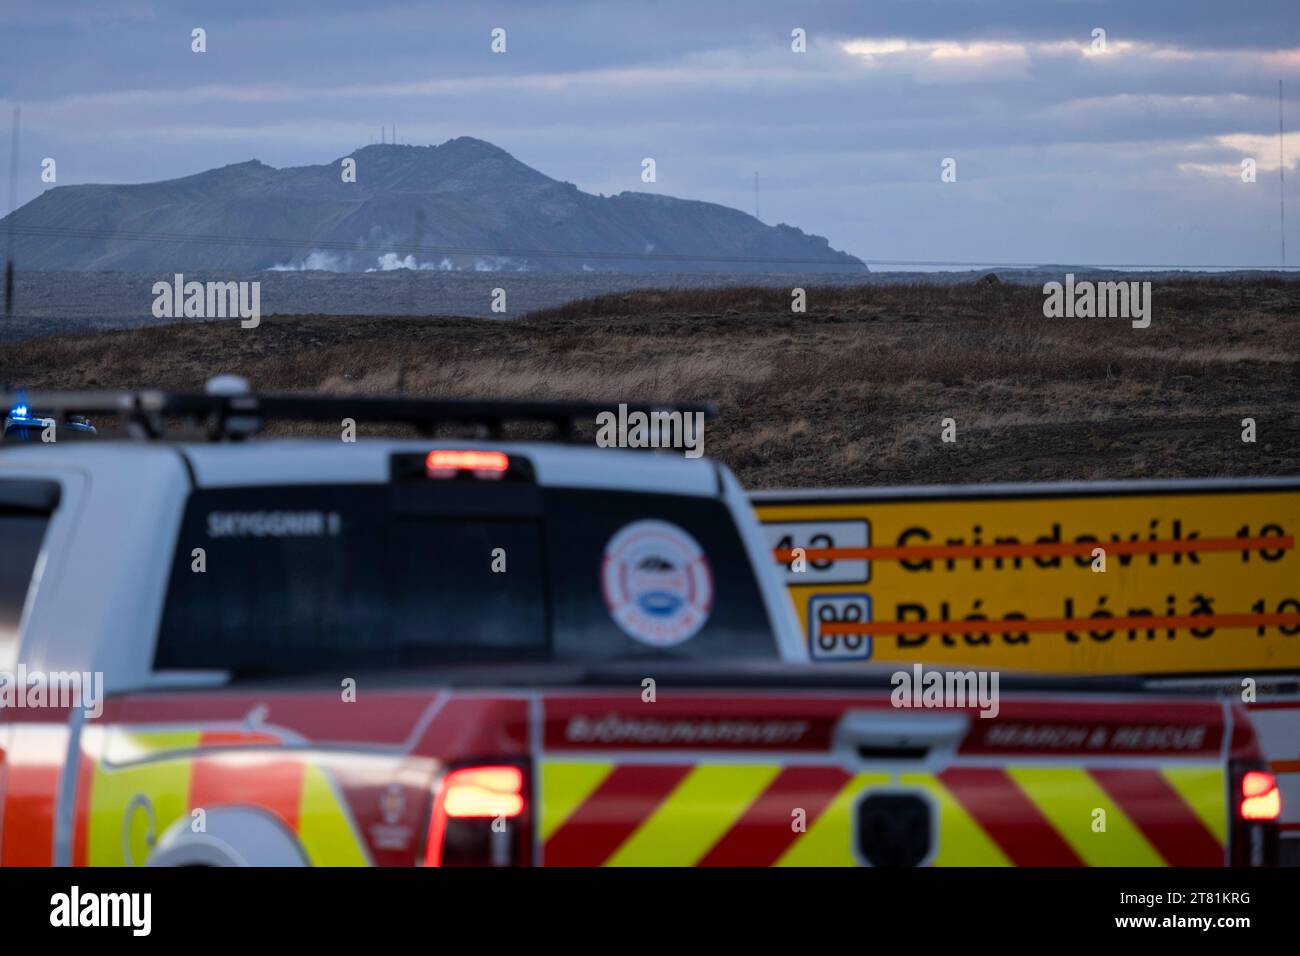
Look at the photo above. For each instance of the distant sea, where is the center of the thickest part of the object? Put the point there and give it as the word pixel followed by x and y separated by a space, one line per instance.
pixel 47 303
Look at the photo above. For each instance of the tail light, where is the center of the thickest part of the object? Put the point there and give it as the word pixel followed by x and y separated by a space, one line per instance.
pixel 480 818
pixel 1260 797
pixel 1256 803
pixel 448 463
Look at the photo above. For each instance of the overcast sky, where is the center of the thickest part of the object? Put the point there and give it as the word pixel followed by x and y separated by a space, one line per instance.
pixel 1063 152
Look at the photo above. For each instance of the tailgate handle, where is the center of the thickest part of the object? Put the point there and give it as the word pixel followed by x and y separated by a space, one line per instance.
pixel 873 736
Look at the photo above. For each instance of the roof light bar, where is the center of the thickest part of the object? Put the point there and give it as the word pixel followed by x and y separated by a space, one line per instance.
pixel 230 414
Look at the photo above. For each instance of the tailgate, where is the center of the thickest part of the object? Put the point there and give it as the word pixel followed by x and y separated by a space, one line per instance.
pixel 790 779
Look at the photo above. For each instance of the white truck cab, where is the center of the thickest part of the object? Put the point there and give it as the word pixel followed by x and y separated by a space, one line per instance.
pixel 165 563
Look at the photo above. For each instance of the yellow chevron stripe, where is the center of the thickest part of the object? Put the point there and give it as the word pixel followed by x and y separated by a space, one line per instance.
pixel 713 797
pixel 126 745
pixel 325 824
pixel 565 786
pixel 1068 798
pixel 962 841
pixel 165 784
pixel 829 840
pixel 703 807
pixel 1204 789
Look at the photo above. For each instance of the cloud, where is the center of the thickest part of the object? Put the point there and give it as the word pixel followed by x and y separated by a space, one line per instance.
pixel 1264 149
pixel 846 137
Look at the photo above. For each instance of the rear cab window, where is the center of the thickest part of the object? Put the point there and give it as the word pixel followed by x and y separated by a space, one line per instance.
pixel 300 579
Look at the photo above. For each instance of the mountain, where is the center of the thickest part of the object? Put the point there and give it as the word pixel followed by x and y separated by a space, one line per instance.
pixel 465 204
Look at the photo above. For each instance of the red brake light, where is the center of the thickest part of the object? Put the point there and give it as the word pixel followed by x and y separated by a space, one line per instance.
pixel 474 793
pixel 484 792
pixel 445 463
pixel 1260 797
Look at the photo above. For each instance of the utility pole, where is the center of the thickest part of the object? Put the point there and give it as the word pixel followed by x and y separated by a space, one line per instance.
pixel 1281 172
pixel 13 207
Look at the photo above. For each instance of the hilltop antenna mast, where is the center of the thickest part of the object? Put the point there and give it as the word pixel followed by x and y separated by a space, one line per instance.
pixel 756 216
pixel 13 207
pixel 1281 173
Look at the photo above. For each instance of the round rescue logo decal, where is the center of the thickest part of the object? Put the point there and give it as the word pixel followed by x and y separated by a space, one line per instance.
pixel 657 583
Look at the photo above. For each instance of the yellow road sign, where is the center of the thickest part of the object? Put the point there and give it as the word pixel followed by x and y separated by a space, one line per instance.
pixel 1111 577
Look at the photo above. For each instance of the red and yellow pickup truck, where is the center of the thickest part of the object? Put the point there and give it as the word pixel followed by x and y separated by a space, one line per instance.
pixel 742 765
pixel 436 652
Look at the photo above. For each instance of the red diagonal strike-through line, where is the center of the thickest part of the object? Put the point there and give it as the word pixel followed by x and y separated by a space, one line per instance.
pixel 612 813
pixel 1158 810
pixel 765 830
pixel 1042 625
pixel 1009 817
pixel 1043 550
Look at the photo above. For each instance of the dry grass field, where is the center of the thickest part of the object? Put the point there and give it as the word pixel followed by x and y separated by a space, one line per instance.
pixel 852 392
